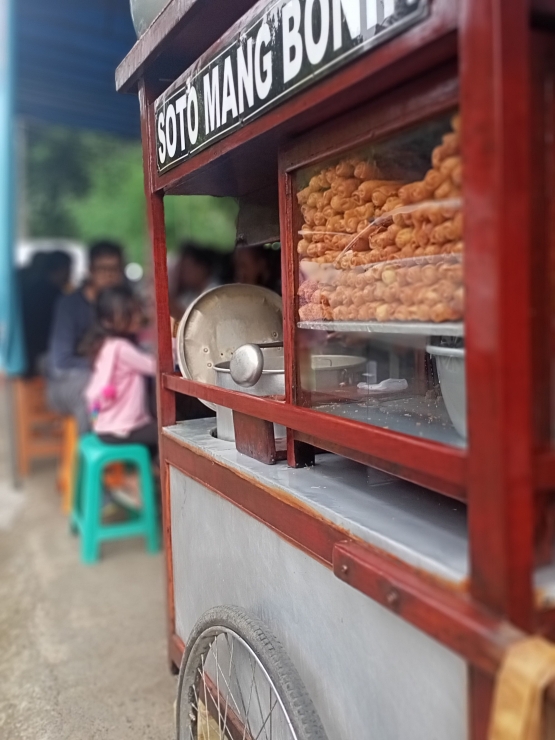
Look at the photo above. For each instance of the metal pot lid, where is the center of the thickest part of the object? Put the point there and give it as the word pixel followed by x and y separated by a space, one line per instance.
pixel 220 321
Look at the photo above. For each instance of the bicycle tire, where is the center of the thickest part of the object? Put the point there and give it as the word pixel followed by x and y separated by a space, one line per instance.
pixel 294 698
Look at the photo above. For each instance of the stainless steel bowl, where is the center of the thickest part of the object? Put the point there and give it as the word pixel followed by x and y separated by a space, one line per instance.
pixel 452 379
pixel 327 373
pixel 330 372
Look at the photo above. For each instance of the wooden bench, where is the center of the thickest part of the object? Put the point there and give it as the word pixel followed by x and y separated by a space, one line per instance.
pixel 39 430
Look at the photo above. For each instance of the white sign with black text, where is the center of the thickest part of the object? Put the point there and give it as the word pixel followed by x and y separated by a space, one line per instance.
pixel 279 48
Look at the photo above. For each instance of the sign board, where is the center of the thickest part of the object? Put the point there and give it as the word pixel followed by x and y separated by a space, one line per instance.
pixel 275 50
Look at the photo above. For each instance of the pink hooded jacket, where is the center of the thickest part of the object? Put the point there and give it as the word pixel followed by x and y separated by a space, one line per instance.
pixel 116 393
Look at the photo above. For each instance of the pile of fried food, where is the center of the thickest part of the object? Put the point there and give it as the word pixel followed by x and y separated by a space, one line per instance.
pixel 396 247
pixel 413 290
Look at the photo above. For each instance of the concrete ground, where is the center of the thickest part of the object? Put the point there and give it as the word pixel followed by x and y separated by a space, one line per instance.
pixel 82 648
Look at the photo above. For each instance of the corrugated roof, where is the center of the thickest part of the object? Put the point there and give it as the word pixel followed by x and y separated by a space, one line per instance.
pixel 67 53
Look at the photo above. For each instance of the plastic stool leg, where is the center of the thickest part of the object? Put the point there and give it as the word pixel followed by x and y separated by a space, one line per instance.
pixel 152 534
pixel 76 513
pixel 92 494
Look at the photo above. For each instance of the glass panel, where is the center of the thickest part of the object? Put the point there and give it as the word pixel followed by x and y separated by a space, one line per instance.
pixel 381 294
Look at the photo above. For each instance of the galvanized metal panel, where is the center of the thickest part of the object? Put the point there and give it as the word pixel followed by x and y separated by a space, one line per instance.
pixel 422 528
pixel 370 674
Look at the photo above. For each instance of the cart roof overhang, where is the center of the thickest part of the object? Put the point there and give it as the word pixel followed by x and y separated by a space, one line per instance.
pixel 66 54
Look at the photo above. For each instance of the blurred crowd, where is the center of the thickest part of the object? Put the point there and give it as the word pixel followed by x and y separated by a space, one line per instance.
pixel 62 321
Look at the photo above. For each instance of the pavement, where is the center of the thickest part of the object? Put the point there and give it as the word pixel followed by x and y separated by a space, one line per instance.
pixel 82 648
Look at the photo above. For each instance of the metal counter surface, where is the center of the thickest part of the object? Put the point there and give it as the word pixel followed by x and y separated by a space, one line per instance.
pixel 421 528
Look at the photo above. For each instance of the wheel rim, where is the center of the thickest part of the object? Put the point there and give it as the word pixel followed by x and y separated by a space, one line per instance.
pixel 232 696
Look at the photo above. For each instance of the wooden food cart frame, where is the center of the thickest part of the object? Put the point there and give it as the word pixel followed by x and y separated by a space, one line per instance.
pixel 497 61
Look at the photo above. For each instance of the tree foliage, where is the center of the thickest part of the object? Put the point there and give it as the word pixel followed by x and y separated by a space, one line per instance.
pixel 87 186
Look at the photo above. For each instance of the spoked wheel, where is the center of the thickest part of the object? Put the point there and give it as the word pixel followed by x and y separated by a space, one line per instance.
pixel 237 683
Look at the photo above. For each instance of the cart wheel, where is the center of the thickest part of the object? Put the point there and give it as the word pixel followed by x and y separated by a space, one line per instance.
pixel 237 683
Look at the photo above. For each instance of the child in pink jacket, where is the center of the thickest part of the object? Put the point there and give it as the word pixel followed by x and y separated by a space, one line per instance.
pixel 116 394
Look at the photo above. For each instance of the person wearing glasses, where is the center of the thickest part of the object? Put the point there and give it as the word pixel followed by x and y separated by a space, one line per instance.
pixel 69 371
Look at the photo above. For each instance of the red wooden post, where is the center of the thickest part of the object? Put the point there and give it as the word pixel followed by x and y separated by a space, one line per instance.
pixel 166 399
pixel 495 94
pixel 495 102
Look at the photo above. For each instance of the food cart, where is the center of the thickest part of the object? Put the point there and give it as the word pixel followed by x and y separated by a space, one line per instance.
pixel 377 531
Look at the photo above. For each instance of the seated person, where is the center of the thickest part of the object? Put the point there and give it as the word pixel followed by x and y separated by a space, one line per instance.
pixel 41 290
pixel 68 370
pixel 257 266
pixel 194 274
pixel 116 393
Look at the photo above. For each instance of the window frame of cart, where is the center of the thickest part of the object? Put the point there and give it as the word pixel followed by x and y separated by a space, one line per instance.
pixel 426 99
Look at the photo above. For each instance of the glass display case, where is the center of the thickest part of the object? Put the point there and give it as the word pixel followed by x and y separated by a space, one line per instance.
pixel 380 283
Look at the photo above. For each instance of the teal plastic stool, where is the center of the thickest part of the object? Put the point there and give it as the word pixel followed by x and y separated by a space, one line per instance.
pixel 86 516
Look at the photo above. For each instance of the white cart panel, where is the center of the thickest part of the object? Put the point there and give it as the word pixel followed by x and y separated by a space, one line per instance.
pixel 370 674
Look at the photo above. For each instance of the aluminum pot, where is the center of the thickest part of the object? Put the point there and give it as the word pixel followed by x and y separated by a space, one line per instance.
pixel 452 379
pixel 271 383
pixel 327 373
pixel 143 12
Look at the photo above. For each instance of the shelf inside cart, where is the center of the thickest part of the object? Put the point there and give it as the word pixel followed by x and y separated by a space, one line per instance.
pixel 428 329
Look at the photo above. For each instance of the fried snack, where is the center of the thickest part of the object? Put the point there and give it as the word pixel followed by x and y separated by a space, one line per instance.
pixel 391 204
pixel 318 182
pixel 432 249
pixel 306 289
pixel 367 312
pixel 308 214
pixel 341 313
pixel 404 237
pixel 319 313
pixel 435 178
pixel 381 194
pixel 335 224
pixel 365 212
pixel 386 311
pixel 442 312
pixel 457 301
pixel 365 190
pixel 329 258
pixel 302 196
pixel 321 297
pixel 341 203
pixel 402 313
pixel 415 192
pixel 447 190
pixel 449 165
pixel 345 187
pixel 456 175
pixel 381 240
pixel 345 169
pixel 366 171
